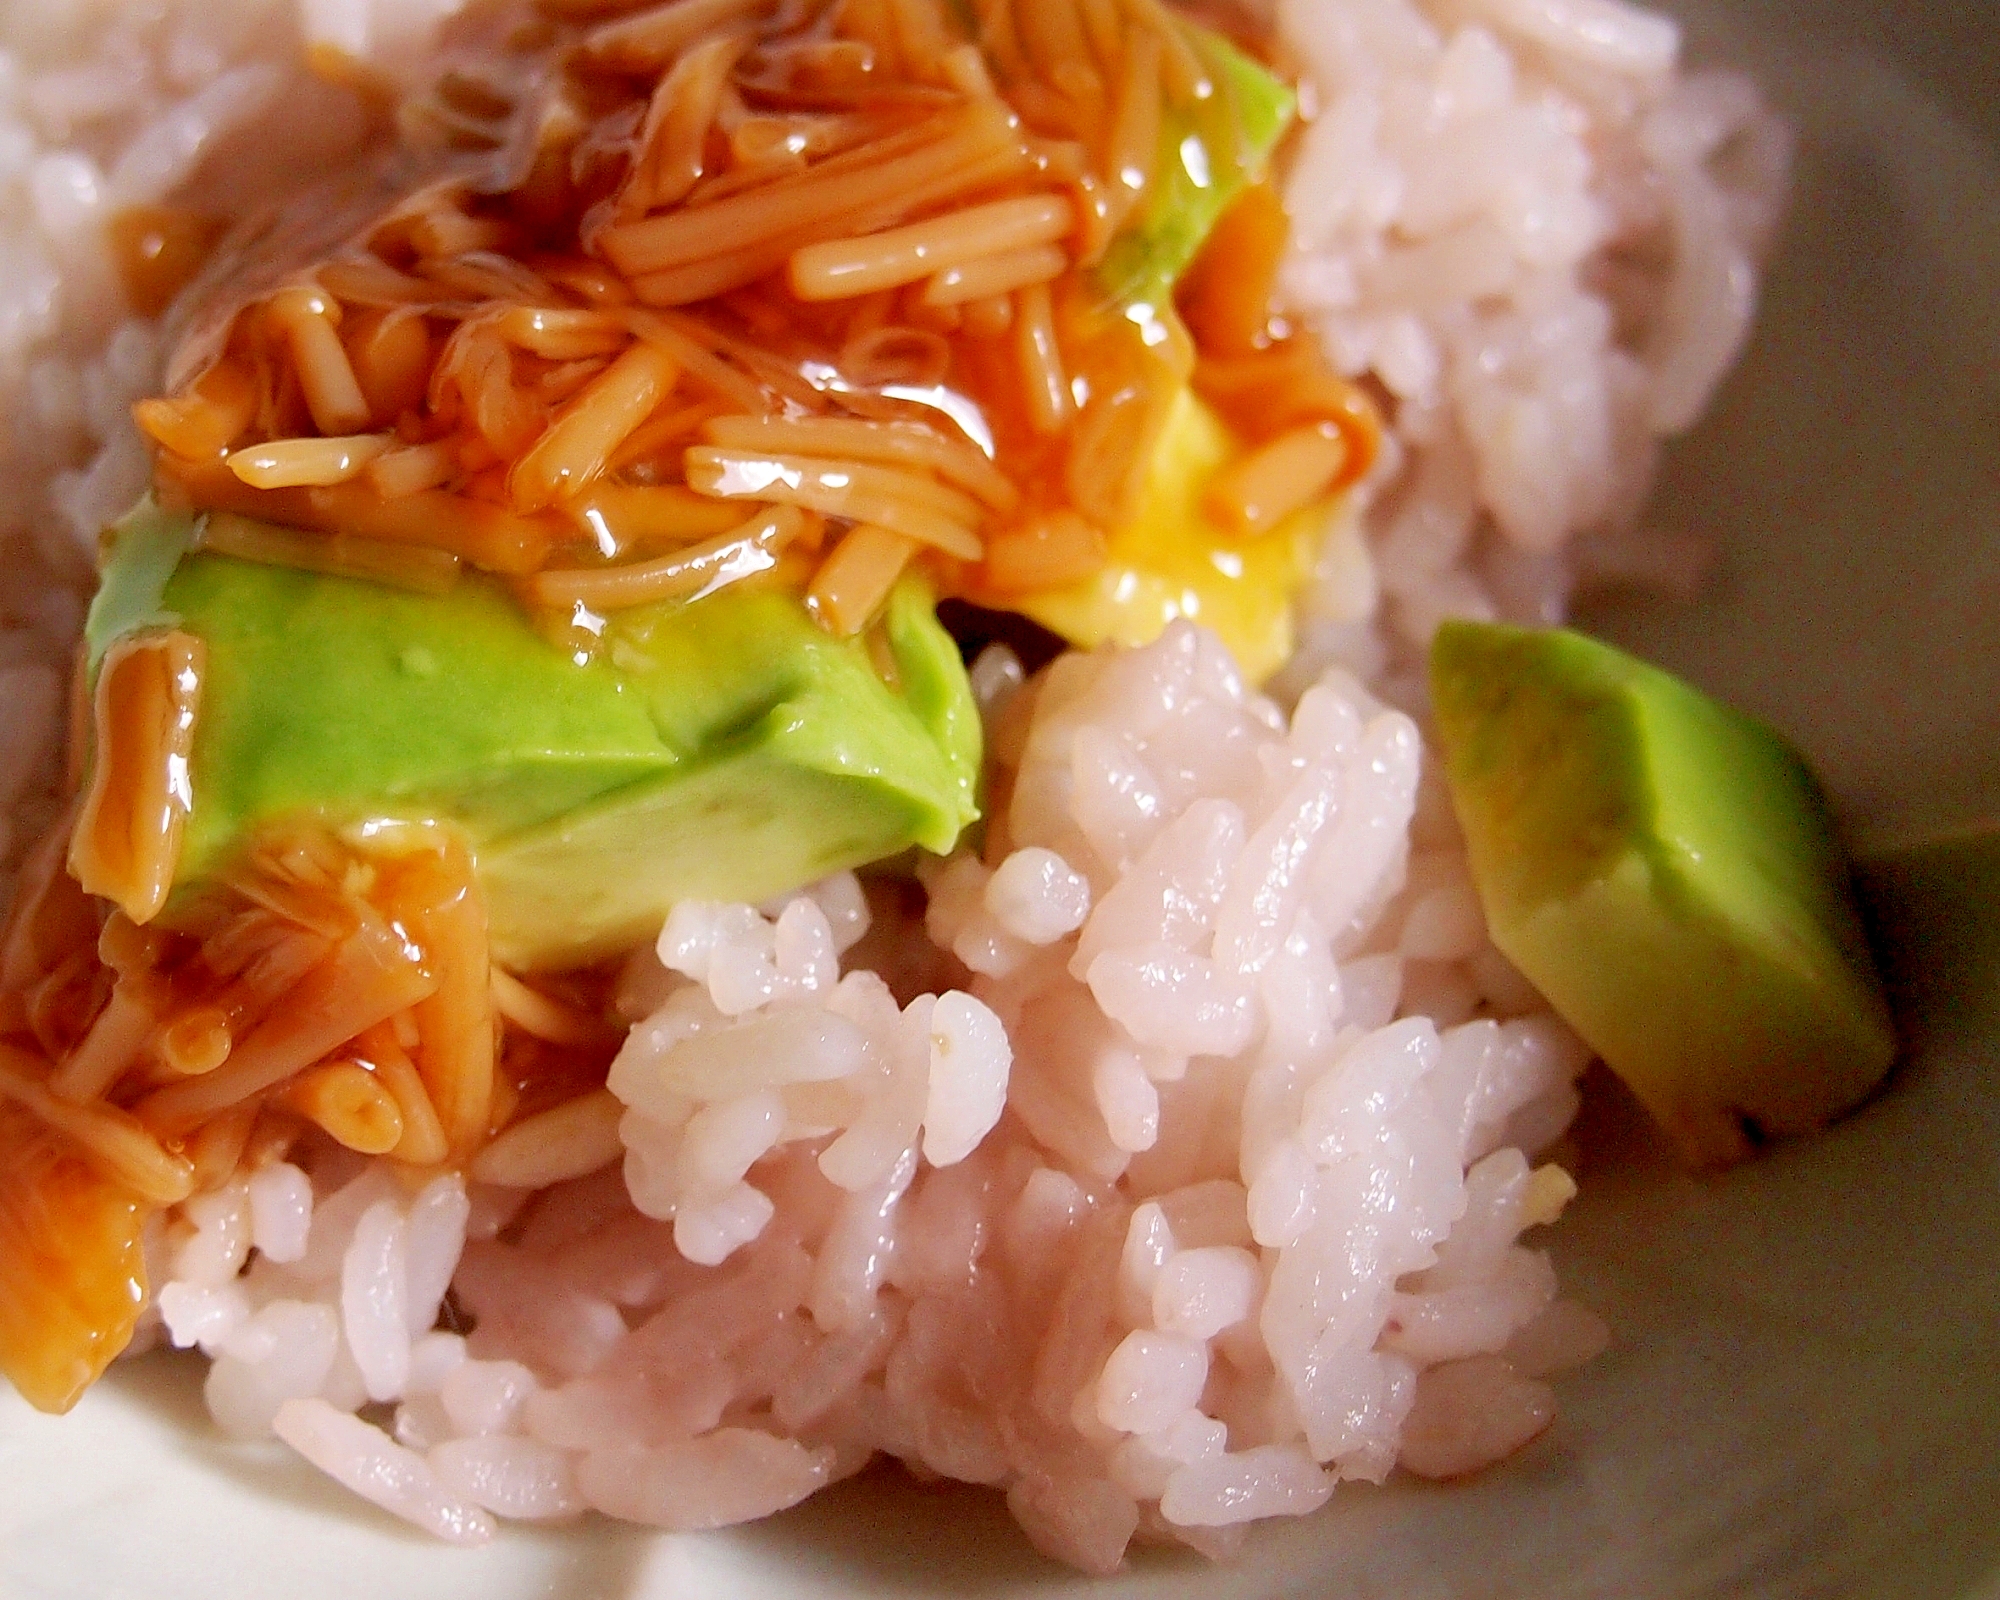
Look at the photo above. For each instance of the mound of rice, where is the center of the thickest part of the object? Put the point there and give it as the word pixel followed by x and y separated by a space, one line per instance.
pixel 1166 1160
pixel 1194 1185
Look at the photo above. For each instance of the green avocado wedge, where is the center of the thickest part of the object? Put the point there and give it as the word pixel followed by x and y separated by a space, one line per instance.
pixel 1664 869
pixel 725 749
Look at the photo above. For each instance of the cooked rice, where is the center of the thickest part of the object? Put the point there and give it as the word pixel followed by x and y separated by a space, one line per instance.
pixel 1081 1225
pixel 1172 1165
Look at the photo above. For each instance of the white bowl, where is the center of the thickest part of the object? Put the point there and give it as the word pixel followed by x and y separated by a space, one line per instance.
pixel 1804 1392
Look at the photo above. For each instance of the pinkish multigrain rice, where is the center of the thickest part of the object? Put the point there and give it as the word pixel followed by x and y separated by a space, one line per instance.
pixel 992 1230
pixel 1172 1164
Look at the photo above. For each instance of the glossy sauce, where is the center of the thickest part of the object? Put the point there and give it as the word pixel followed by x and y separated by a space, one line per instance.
pixel 470 327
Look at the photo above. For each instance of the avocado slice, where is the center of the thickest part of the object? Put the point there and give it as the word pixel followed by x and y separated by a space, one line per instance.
pixel 725 749
pixel 1664 869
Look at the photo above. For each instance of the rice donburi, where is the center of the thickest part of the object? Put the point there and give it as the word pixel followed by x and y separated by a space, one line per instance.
pixel 748 790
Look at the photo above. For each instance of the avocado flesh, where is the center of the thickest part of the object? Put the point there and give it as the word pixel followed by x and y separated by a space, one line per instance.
pixel 806 767
pixel 728 748
pixel 1665 871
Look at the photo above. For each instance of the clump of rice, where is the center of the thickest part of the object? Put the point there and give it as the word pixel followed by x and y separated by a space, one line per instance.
pixel 1169 1165
pixel 1198 1188
pixel 1542 239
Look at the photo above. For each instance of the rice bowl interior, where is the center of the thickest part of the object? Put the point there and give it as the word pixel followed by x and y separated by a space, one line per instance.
pixel 1667 1504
